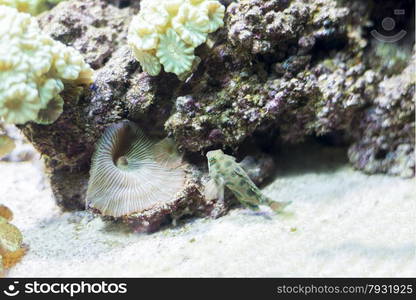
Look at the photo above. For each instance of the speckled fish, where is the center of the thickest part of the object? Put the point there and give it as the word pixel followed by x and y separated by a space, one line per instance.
pixel 226 172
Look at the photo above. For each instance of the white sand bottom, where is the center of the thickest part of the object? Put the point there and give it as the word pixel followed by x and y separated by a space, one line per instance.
pixel 341 223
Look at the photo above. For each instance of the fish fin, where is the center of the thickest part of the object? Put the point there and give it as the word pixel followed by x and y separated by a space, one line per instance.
pixel 250 205
pixel 213 190
pixel 277 206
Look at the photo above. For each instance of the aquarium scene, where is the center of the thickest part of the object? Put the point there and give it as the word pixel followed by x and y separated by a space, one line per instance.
pixel 207 138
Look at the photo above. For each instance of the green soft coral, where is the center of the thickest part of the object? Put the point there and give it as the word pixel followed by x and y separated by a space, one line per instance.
pixel 166 33
pixel 34 69
pixel 174 54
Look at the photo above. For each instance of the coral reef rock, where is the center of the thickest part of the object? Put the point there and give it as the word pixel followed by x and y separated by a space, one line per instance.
pixel 386 135
pixel 278 72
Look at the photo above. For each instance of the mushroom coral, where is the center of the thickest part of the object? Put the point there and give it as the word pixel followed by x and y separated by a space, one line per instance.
pixel 34 69
pixel 32 7
pixel 166 32
pixel 128 175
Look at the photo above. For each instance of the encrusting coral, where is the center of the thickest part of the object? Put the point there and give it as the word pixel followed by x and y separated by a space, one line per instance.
pixel 128 175
pixel 32 7
pixel 11 240
pixel 166 32
pixel 34 70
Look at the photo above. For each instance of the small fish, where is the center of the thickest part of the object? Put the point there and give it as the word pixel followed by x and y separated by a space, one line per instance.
pixel 226 172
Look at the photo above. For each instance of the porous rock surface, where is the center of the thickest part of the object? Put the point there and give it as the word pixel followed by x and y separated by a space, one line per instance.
pixel 283 70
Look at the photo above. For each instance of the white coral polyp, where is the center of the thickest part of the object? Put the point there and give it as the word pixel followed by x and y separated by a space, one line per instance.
pixel 49 90
pixel 180 25
pixel 148 61
pixel 191 25
pixel 142 35
pixel 172 6
pixel 196 2
pixel 33 67
pixel 20 103
pixel 174 54
pixel 215 12
pixel 156 15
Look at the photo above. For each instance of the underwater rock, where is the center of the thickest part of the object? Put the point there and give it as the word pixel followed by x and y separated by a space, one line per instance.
pixel 94 28
pixel 267 79
pixel 311 75
pixel 189 202
pixel 386 134
pixel 316 82
pixel 259 27
pixel 259 167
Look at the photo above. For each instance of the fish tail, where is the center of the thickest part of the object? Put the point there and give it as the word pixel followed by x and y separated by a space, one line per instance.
pixel 277 206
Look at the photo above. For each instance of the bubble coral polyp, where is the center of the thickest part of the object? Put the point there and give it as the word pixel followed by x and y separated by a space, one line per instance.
pixel 166 32
pixel 34 69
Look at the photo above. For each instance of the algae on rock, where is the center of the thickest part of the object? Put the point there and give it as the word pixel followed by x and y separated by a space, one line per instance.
pixel 308 76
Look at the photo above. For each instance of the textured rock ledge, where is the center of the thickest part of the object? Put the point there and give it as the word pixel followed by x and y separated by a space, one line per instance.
pixel 315 71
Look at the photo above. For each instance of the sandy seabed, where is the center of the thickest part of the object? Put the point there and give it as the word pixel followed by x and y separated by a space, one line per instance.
pixel 341 223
